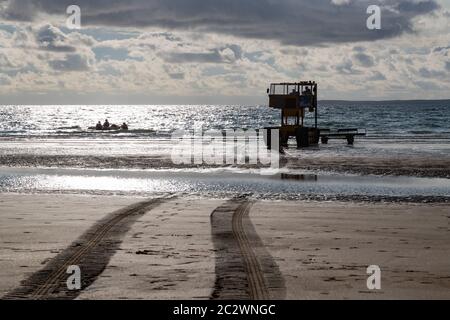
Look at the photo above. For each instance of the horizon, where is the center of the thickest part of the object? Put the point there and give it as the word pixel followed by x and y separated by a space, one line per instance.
pixel 243 105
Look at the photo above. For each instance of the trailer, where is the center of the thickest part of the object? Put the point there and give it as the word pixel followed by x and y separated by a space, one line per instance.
pixel 348 134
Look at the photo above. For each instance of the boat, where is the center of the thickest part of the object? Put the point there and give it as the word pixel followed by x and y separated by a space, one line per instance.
pixel 113 127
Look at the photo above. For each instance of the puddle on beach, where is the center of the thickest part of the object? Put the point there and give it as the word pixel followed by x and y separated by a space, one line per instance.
pixel 216 182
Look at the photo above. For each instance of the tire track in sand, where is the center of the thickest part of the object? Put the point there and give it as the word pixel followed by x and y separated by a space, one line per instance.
pixel 91 252
pixel 244 268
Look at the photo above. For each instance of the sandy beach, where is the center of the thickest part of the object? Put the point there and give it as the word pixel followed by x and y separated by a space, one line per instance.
pixel 172 250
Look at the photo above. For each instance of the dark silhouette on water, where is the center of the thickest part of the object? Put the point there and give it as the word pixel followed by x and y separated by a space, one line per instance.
pixel 107 126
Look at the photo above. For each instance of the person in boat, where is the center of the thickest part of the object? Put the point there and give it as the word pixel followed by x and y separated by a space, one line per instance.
pixel 106 125
pixel 99 126
pixel 124 126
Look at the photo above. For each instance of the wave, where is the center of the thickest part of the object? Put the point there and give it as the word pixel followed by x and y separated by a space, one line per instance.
pixel 421 132
pixel 143 131
pixel 69 128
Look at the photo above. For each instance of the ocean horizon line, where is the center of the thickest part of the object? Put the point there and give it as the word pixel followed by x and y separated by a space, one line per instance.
pixel 234 104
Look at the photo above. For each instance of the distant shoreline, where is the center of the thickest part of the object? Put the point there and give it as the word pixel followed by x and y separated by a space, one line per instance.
pixel 384 101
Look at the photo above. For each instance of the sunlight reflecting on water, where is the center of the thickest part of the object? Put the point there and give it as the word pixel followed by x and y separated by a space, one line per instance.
pixel 215 181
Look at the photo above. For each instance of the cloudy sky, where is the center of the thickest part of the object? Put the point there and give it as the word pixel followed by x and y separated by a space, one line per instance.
pixel 220 51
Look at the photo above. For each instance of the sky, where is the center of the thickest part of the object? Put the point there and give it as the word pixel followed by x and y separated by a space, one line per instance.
pixel 221 51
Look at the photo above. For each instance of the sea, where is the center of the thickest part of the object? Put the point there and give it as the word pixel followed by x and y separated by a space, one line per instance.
pixel 400 128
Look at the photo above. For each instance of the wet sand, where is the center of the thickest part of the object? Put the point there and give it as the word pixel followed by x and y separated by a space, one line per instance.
pixel 324 248
pixel 397 165
pixel 35 228
pixel 320 249
pixel 168 254
pixel 417 166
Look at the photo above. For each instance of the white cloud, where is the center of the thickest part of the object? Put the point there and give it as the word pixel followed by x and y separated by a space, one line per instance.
pixel 47 58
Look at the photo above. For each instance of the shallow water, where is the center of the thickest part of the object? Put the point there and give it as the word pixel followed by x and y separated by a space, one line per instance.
pixel 217 182
pixel 163 146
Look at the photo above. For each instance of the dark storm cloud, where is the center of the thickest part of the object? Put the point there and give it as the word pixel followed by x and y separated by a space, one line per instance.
pixel 416 7
pixel 20 10
pixel 296 22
